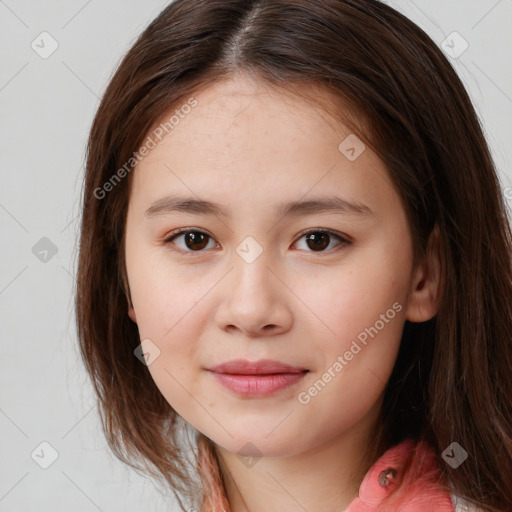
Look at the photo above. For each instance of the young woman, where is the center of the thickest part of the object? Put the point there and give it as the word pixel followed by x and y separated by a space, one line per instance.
pixel 295 248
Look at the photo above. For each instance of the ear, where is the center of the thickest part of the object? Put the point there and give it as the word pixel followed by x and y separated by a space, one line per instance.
pixel 131 313
pixel 427 282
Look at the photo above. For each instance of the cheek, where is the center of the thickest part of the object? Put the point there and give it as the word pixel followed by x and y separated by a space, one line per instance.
pixel 166 310
pixel 163 295
pixel 357 294
pixel 170 311
pixel 171 373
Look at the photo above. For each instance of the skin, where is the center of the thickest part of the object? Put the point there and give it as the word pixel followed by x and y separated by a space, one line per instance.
pixel 248 147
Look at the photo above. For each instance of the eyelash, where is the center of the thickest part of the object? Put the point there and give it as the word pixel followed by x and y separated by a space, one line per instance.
pixel 344 242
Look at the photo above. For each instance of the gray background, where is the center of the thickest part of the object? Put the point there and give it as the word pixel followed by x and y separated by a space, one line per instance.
pixel 46 108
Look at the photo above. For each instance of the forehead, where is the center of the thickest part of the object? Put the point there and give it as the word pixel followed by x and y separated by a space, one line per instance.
pixel 224 108
pixel 246 136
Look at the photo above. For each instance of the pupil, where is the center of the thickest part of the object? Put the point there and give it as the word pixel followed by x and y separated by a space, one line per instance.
pixel 195 238
pixel 324 242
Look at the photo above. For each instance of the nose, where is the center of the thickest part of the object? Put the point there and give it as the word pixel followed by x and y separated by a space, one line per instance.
pixel 254 300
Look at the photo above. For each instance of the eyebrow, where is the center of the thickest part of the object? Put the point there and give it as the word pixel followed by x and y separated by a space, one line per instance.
pixel 322 204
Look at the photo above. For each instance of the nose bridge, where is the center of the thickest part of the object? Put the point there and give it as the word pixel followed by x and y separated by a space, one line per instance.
pixel 250 250
pixel 252 261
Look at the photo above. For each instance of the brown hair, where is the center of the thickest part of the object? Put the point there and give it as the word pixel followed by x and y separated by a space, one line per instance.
pixel 453 376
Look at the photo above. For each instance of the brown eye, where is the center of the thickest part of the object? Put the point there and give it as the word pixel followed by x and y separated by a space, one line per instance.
pixel 319 239
pixel 193 240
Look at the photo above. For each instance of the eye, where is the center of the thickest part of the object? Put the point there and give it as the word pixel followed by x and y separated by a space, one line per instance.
pixel 196 240
pixel 318 239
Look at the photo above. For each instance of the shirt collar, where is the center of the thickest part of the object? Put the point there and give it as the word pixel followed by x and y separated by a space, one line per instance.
pixel 406 479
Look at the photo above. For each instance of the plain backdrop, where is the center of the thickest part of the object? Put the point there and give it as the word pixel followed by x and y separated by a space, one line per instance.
pixel 46 109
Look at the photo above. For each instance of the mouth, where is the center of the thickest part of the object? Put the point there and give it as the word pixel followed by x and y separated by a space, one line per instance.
pixel 257 378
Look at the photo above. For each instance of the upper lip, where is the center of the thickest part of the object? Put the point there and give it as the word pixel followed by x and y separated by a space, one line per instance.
pixel 261 367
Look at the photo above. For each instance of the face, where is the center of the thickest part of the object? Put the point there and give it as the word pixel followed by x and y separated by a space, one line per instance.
pixel 324 291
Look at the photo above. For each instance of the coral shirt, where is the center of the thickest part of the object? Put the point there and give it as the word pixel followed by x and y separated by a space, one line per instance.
pixel 405 479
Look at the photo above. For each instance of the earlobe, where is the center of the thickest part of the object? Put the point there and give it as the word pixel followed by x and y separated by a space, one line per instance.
pixel 131 313
pixel 428 281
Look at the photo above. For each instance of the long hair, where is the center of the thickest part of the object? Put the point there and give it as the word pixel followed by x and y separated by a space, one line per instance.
pixel 390 83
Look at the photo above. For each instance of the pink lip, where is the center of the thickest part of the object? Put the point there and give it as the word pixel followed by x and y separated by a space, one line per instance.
pixel 257 378
pixel 263 366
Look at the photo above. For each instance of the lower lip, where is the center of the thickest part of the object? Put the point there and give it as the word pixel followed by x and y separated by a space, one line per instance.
pixel 258 385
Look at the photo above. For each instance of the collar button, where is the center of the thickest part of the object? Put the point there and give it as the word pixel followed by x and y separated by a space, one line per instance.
pixel 386 476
